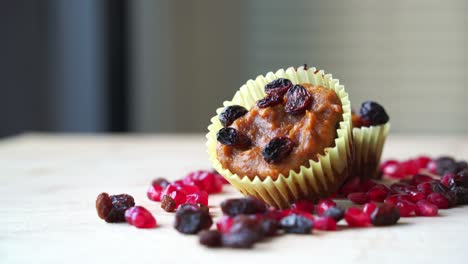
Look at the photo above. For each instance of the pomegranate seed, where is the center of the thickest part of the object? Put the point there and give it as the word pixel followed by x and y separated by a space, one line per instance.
pixel 392 169
pixel 416 196
pixel 439 200
pixel 356 217
pixel 409 167
pixel 154 193
pixel 420 178
pixel 378 193
pixel 188 189
pixel 448 180
pixel 323 205
pixel 393 199
pixel 367 185
pixel 224 224
pixel 399 188
pixel 179 197
pixel 303 205
pixel 425 188
pixel 425 208
pixel 385 215
pixel 406 208
pixel 221 178
pixel 422 161
pixel 359 197
pixel 432 167
pixel 204 180
pixel 139 217
pixel 325 223
pixel 352 185
pixel 198 197
pixel 369 208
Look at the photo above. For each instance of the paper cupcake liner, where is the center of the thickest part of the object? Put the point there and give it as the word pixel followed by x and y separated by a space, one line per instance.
pixel 320 178
pixel 368 144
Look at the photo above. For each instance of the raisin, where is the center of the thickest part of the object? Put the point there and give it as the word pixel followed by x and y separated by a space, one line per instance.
pixel 385 215
pixel 247 223
pixel 462 195
pixel 270 100
pixel 269 227
pixel 191 221
pixel 233 207
pixel 231 113
pixel 277 149
pixel 279 86
pixel 446 165
pixel 161 182
pixel 461 165
pixel 112 208
pixel 210 238
pixel 462 178
pixel 298 99
pixel 243 239
pixel 335 213
pixel 296 224
pixel 438 187
pixel 168 204
pixel 374 113
pixel 231 137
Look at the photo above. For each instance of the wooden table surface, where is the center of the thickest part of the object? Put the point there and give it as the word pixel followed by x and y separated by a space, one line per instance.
pixel 49 183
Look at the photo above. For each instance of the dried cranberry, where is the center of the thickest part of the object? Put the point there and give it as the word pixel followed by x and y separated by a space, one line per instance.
pixel 231 137
pixel 233 207
pixel 385 215
pixel 231 113
pixel 192 221
pixel 160 182
pixel 210 238
pixel 369 208
pixel 325 223
pixel 356 217
pixel 277 149
pixel 279 86
pixel 298 99
pixel 374 113
pixel 439 199
pixel 296 224
pixel 168 204
pixel 303 205
pixel 270 100
pixel 425 208
pixel 323 205
pixel 112 208
pixel 359 197
pixel 335 213
pixel 378 193
pixel 139 217
pixel 154 192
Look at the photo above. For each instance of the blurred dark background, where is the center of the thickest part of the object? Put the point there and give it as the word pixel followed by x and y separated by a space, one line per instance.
pixel 165 66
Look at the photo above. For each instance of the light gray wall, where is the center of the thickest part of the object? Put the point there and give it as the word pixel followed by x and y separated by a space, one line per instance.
pixel 409 55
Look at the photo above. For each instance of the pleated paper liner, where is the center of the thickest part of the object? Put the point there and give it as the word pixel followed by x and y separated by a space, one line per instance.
pixel 368 143
pixel 320 178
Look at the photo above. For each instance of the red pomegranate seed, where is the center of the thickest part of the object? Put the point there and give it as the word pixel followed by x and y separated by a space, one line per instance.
pixel 154 193
pixel 224 224
pixel 422 161
pixel 438 200
pixel 359 197
pixel 179 197
pixel 303 205
pixel 356 217
pixel 425 188
pixel 406 208
pixel 369 208
pixel 409 167
pixel 393 199
pixel 399 188
pixel 420 178
pixel 367 185
pixel 385 215
pixel 198 197
pixel 416 196
pixel 352 185
pixel 432 167
pixel 324 205
pixel 204 180
pixel 139 217
pixel 448 179
pixel 378 193
pixel 325 223
pixel 392 169
pixel 221 178
pixel 425 208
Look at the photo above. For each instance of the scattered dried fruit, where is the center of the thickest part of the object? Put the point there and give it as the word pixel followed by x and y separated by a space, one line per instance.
pixel 279 86
pixel 139 217
pixel 233 207
pixel 374 113
pixel 231 113
pixel 355 217
pixel 112 208
pixel 323 205
pixel 210 238
pixel 385 215
pixel 277 149
pixel 270 100
pixel 231 137
pixel 191 221
pixel 296 224
pixel 168 204
pixel 298 99
pixel 335 213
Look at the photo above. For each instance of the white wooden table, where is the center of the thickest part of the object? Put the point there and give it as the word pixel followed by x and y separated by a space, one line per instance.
pixel 49 183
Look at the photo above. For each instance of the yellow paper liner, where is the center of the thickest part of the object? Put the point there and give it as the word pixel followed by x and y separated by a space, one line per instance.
pixel 322 177
pixel 368 143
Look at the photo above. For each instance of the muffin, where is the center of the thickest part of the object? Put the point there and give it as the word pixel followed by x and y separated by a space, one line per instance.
pixel 284 136
pixel 370 129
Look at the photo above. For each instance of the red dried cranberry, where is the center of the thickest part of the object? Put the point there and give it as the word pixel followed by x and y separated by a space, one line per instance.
pixel 298 99
pixel 369 208
pixel 270 100
pixel 406 208
pixel 277 149
pixel 335 213
pixel 359 197
pixel 355 217
pixel 168 204
pixel 425 208
pixel 439 200
pixel 279 86
pixel 325 223
pixel 139 217
pixel 112 208
pixel 210 238
pixel 378 193
pixel 297 224
pixel 425 188
pixel 420 178
pixel 323 205
pixel 231 113
pixel 233 207
pixel 161 182
pixel 374 113
pixel 231 137
pixel 205 180
pixel 192 221
pixel 199 197
pixel 303 205
pixel 448 180
pixel 385 215
pixel 154 193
